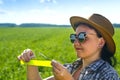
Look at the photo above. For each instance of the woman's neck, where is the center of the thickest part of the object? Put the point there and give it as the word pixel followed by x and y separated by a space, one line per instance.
pixel 88 61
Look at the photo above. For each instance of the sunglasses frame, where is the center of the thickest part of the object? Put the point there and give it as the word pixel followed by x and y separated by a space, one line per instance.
pixel 81 37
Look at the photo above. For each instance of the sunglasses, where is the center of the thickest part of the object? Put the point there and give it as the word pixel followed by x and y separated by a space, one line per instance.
pixel 81 37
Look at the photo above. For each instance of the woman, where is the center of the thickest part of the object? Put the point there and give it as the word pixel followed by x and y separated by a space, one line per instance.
pixel 95 49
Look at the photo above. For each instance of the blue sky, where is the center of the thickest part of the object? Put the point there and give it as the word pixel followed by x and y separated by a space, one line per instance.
pixel 56 11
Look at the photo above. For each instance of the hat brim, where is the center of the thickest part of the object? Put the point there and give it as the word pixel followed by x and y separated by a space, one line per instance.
pixel 106 35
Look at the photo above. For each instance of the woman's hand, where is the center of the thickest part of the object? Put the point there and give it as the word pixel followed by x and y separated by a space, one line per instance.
pixel 26 55
pixel 32 71
pixel 60 72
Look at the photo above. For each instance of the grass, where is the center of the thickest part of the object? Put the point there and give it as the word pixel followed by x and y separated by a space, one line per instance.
pixel 54 43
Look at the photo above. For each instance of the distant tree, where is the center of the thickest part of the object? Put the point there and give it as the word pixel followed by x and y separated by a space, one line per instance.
pixel 41 25
pixel 8 25
pixel 116 25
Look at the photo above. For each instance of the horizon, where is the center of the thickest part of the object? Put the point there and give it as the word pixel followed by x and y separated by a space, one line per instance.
pixel 43 24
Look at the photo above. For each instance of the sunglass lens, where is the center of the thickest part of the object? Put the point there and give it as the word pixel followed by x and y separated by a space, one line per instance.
pixel 72 38
pixel 82 36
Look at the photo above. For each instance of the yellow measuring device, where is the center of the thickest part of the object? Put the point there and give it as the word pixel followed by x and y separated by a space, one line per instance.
pixel 44 63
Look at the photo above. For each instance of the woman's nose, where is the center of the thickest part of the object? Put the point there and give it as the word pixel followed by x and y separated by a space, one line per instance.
pixel 76 42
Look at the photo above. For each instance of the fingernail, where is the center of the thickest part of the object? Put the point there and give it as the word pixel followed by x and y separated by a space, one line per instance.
pixel 54 61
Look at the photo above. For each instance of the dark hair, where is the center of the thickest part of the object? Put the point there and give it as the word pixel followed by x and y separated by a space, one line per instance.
pixel 106 55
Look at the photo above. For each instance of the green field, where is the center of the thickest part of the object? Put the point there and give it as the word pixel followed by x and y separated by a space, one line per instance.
pixel 54 43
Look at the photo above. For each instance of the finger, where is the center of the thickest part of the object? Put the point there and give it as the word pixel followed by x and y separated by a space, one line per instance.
pixel 22 57
pixel 30 54
pixel 57 65
pixel 26 57
pixel 26 54
pixel 19 57
pixel 55 71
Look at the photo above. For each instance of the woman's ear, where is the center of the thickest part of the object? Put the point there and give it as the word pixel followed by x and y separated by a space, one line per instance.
pixel 101 42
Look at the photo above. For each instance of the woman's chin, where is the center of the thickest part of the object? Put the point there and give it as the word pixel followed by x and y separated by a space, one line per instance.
pixel 79 54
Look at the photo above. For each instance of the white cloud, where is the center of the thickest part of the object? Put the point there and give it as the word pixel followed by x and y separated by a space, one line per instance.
pixel 49 1
pixel 113 18
pixel 35 16
pixel 53 15
pixel 3 12
pixel 87 8
pixel 42 1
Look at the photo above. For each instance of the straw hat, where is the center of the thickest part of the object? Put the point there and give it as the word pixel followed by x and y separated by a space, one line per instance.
pixel 100 23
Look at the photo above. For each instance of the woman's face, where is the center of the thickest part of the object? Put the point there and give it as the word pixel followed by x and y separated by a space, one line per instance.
pixel 90 48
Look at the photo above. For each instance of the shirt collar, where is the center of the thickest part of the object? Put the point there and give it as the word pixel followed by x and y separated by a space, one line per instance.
pixel 95 65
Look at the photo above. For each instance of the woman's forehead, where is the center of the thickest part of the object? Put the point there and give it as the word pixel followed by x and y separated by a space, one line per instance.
pixel 84 28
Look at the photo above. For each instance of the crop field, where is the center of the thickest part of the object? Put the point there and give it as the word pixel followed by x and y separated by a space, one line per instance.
pixel 46 43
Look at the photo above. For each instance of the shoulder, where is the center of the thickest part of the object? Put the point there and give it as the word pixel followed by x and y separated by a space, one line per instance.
pixel 102 70
pixel 107 72
pixel 107 68
pixel 110 76
pixel 101 66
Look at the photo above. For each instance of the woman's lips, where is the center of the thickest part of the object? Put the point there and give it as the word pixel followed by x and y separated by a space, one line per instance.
pixel 78 48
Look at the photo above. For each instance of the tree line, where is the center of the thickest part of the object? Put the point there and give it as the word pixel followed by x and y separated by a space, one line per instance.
pixel 39 25
pixel 31 25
